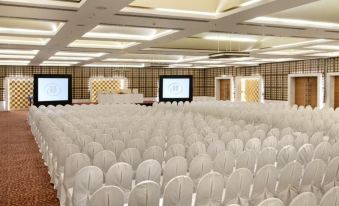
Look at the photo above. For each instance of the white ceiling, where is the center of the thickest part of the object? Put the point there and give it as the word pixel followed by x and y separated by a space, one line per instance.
pixel 173 33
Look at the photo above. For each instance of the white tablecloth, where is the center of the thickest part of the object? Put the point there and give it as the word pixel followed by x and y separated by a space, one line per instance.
pixel 120 98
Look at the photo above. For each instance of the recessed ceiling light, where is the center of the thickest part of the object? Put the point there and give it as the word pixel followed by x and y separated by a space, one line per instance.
pixel 23 40
pixel 11 62
pixel 230 38
pixel 101 44
pixel 250 2
pixel 294 22
pixel 69 58
pixel 79 54
pixel 60 62
pixel 141 60
pixel 18 52
pixel 187 12
pixel 114 65
pixel 325 54
pixel 325 47
pixel 290 52
pixel 304 43
pixel 128 36
pixel 180 65
pixel 13 56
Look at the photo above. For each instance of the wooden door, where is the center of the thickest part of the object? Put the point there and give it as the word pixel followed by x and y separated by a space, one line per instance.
pixel 225 89
pixel 306 91
pixel 336 91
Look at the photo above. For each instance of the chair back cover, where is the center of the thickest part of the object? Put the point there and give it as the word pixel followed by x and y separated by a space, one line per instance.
pixel 145 193
pixel 88 180
pixel 120 175
pixel 179 191
pixel 148 170
pixel 104 160
pixel 210 189
pixel 107 196
pixel 131 156
pixel 174 167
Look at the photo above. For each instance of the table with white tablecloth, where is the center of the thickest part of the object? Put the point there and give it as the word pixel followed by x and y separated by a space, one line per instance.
pixel 109 98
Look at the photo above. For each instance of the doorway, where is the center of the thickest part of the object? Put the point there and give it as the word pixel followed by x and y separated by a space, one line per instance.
pixel 305 90
pixel 224 88
pixel 249 89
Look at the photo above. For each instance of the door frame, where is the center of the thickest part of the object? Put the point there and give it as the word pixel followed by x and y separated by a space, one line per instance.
pixel 240 79
pixel 330 80
pixel 217 86
pixel 291 88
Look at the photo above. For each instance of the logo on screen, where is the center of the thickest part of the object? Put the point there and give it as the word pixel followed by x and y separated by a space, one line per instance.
pixel 175 88
pixel 52 89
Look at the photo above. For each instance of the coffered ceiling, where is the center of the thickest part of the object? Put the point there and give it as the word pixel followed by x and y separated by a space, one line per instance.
pixel 168 33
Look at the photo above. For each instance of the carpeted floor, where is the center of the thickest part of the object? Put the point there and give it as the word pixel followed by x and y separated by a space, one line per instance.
pixel 24 180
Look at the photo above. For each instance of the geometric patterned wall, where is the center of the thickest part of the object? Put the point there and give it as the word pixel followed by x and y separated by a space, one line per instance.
pixel 104 85
pixel 145 80
pixel 252 88
pixel 275 76
pixel 19 90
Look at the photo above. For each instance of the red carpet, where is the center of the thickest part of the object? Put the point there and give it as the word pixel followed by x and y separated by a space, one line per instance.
pixel 24 180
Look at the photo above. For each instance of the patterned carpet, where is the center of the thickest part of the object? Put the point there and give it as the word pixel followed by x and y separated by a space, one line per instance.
pixel 24 180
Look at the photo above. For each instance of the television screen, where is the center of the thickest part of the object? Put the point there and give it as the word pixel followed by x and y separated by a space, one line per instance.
pixel 52 89
pixel 175 88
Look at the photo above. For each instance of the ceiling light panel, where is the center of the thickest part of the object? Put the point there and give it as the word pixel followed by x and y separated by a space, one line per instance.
pixel 101 64
pixel 61 62
pixel 14 62
pixel 325 47
pixel 325 54
pixel 14 56
pixel 294 22
pixel 53 3
pixel 290 52
pixel 230 38
pixel 79 54
pixel 28 27
pixel 141 60
pixel 18 52
pixel 101 44
pixel 127 33
pixel 70 58
pixel 23 40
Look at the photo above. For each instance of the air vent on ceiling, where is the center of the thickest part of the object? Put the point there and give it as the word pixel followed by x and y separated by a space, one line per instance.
pixel 225 55
pixel 158 65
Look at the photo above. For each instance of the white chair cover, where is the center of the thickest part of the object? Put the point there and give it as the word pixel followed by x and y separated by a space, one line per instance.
pixel 120 175
pixel 330 198
pixel 131 156
pixel 148 170
pixel 305 199
pixel 271 202
pixel 174 167
pixel 154 152
pixel 92 148
pixel 264 184
pixel 260 134
pixel 145 193
pixel 107 196
pixel 289 180
pixel 175 150
pixel 104 160
pixel 88 180
pixel 178 192
pixel 238 187
pixel 200 165
pixel 267 156
pixel 270 141
pixel 116 146
pixel 210 189
pixel 215 147
pixel 236 146
pixel 254 144
pixel 300 140
pixel 157 141
pixel 137 143
pixel 72 165
pixel 313 177
pixel 227 137
pixel 332 175
pixel 247 159
pixel 322 151
pixel 195 149
pixel 305 154
pixel 287 154
pixel 335 150
pixel 224 163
